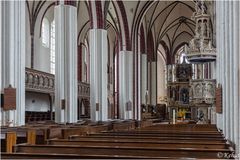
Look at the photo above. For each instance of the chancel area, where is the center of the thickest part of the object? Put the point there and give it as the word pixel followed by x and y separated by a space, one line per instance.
pixel 120 79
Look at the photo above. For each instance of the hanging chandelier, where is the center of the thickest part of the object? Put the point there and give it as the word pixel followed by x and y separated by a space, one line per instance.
pixel 200 48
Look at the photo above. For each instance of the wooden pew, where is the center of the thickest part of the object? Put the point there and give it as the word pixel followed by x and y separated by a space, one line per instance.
pixel 74 156
pixel 166 132
pixel 138 138
pixel 123 125
pixel 23 135
pixel 158 135
pixel 32 134
pixel 144 123
pixel 157 141
pixel 142 143
pixel 182 127
pixel 122 151
pixel 83 130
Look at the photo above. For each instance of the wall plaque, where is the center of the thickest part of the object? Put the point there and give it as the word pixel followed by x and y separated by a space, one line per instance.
pixel 9 99
pixel 218 99
pixel 97 106
pixel 2 100
pixel 63 103
pixel 129 106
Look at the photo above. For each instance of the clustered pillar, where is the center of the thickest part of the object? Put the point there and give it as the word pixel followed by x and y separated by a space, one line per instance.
pixel 98 74
pixel 12 58
pixel 66 63
pixel 228 66
pixel 143 72
pixel 125 84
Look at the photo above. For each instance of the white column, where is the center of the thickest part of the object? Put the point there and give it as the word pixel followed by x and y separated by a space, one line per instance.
pixel 143 78
pixel 66 63
pixel 236 68
pixel 13 29
pixel 227 69
pixel 126 84
pixel 98 74
pixel 196 71
pixel 143 82
pixel 148 83
pixel 213 70
pixel 153 83
pixel 220 52
pixel 230 69
pixel 221 67
pixel 2 114
pixel 223 59
pixel 83 51
pixel 203 70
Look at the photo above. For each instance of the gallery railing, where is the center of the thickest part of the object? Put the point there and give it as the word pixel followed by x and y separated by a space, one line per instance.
pixel 42 82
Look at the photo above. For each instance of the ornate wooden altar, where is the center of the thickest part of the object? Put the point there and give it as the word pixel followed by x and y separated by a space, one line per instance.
pixel 189 99
pixel 178 92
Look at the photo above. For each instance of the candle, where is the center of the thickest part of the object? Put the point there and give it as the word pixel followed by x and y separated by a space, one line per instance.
pixel 174 117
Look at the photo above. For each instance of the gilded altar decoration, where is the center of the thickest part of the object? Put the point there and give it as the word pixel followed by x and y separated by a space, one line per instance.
pixel 200 47
pixel 178 91
pixel 183 71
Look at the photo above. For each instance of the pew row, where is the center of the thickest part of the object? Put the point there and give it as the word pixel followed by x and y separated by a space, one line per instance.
pixel 141 143
pixel 116 151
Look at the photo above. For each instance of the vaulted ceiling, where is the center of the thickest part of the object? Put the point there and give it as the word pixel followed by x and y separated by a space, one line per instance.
pixel 168 22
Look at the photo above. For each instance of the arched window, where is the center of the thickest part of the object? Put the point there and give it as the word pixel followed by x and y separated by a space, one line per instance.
pixel 45 32
pixel 180 55
pixel 52 48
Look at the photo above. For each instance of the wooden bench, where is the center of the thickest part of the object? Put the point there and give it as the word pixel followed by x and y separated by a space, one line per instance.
pixel 83 130
pixel 122 151
pixel 142 143
pixel 144 123
pixel 123 125
pixel 158 135
pixel 166 132
pixel 20 135
pixel 109 140
pixel 75 156
pixel 182 127
pixel 149 138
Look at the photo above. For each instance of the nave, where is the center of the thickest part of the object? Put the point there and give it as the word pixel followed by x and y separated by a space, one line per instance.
pixel 158 70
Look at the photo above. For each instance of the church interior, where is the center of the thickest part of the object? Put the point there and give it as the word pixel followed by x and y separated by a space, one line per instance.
pixel 120 79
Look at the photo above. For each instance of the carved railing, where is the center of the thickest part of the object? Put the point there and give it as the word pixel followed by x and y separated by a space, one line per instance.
pixel 42 82
pixel 38 81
